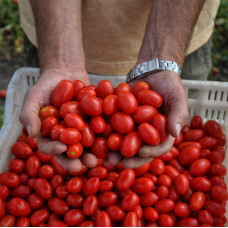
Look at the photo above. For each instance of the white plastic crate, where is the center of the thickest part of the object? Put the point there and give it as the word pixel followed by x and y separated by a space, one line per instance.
pixel 211 103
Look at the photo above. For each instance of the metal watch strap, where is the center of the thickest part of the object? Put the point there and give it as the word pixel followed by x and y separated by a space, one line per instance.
pixel 152 66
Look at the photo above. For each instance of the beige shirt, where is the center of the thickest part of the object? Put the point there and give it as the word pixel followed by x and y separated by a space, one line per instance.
pixel 113 31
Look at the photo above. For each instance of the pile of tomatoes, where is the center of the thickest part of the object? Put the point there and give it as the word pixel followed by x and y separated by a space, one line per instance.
pixel 103 118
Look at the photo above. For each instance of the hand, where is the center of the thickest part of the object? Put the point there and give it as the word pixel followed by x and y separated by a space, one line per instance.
pixel 39 96
pixel 175 107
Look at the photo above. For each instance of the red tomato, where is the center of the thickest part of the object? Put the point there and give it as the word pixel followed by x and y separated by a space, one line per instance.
pixel 150 214
pixel 175 163
pixel 86 223
pixel 47 124
pixel 150 97
pixel 90 205
pixel 139 212
pixel 214 157
pixel 4 192
pixel 122 122
pixel 164 206
pixel 39 217
pixel 78 85
pixel 32 166
pixel 188 155
pixel 164 180
pixel 91 186
pixel 58 205
pixel 130 144
pixel 102 219
pixel 125 179
pixel 185 129
pixel 75 200
pixel 208 142
pixel 219 193
pixel 49 111
pixel 73 120
pixel 74 150
pixel 56 223
pixel 204 153
pixel 149 134
pixel 61 191
pixel 181 184
pixel 100 147
pixel 197 201
pixel 178 140
pixel 18 207
pixel 148 199
pixel 22 222
pixel 112 176
pixel 107 198
pixel 189 221
pixel 140 86
pixel 9 179
pixel 144 114
pixel 114 141
pixel 182 210
pixel 115 213
pixel 201 184
pixel 173 194
pixel 43 157
pixel 126 102
pixel 218 170
pixel 166 220
pixel 213 129
pixel 91 105
pixel 194 135
pixel 130 220
pixel 199 167
pixel 87 136
pixel 43 188
pixel 99 172
pixel 106 185
pixel 70 136
pixel 171 171
pixel 46 171
pixel 74 217
pixel 104 89
pixel 2 208
pixel 21 191
pixel 3 93
pixel 217 180
pixel 187 144
pixel 56 181
pixel 98 124
pixel 17 165
pixel 35 201
pixel 122 87
pixel 142 170
pixel 215 208
pixel 71 107
pixel 56 131
pixel 196 122
pixel 222 140
pixel 7 221
pixel 166 157
pixel 130 201
pixel 75 185
pixel 162 192
pixel 31 142
pixel 157 166
pixel 85 92
pixel 205 217
pixel 21 150
pixel 110 105
pixel 142 185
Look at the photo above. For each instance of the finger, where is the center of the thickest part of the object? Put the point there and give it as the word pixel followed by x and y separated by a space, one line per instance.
pixel 113 158
pixel 178 113
pixel 73 165
pixel 147 151
pixel 29 115
pixel 50 147
pixel 89 160
pixel 135 162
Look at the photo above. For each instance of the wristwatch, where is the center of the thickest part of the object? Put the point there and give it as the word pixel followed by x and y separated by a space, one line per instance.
pixel 152 66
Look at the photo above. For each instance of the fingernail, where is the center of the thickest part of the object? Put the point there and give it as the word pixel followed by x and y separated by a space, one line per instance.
pixel 28 129
pixel 178 129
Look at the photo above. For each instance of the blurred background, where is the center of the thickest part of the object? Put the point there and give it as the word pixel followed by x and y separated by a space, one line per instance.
pixel 11 45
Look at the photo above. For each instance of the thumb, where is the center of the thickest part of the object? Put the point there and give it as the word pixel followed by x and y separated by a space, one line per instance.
pixel 29 115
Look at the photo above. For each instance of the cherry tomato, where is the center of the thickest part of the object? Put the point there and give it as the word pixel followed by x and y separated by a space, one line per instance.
pixel 194 135
pixel 181 183
pixel 142 185
pixel 18 207
pixel 114 141
pixel 165 220
pixel 189 221
pixel 32 166
pixel 74 150
pixel 75 200
pixel 130 201
pixel 91 105
pixel 208 142
pixel 187 144
pixel 56 223
pixel 222 140
pixel 148 199
pixel 150 97
pixel 47 124
pixel 171 171
pixel 130 144
pixel 173 194
pixel 21 150
pixel 219 193
pixel 56 181
pixel 49 111
pixel 35 201
pixel 164 180
pixel 85 92
pixel 100 147
pixel 78 85
pixel 162 192
pixel 7 221
pixel 140 86
pixel 61 191
pixel 39 217
pixel 104 89
pixel 70 136
pixel 22 222
pixel 126 102
pixel 75 185
pixel 74 217
pixel 122 87
pixel 107 198
pixel 17 165
pixel 166 157
pixel 199 167
pixel 73 120
pixel 4 192
pixel 21 191
pixel 9 179
pixel 196 122
pixel 157 166
pixel 176 164
pixel 204 153
pixel 2 208
pixel 144 114
pixel 142 170
pixel 182 210
pixel 164 206
pixel 218 170
pixel 130 220
pixel 46 171
pixel 58 205
pixel 98 124
pixel 215 208
pixel 213 129
pixel 90 205
pixel 217 180
pixel 115 213
pixel 110 105
pixel 197 201
pixel 102 219
pixel 178 140
pixel 214 157
pixel 71 107
pixel 56 131
pixel 150 214
pixel 188 155
pixel 87 136
pixel 43 157
pixel 201 184
pixel 205 217
pixel 43 188
pixel 99 172
pixel 86 223
pixel 125 179
pixel 122 122
pixel 91 186
pixel 106 185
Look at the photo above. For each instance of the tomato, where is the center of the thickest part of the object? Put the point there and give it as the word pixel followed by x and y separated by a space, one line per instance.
pixel 46 171
pixel 31 142
pixel 17 165
pixel 199 167
pixel 73 120
pixel 85 92
pixel 9 179
pixel 115 213
pixel 217 180
pixel 179 139
pixel 175 163
pixel 148 199
pixel 205 217
pixel 86 223
pixel 197 201
pixel 122 122
pixel 173 194
pixel 91 186
pixel 194 135
pixel 43 157
pixel 102 219
pixel 43 188
pixel 221 219
pixel 75 185
pixel 144 114
pixel 74 217
pixel 100 147
pixel 106 185
pixel 149 97
pixel 164 180
pixel 90 205
pixel 22 222
pixel 32 166
pixel 70 136
pixel 47 124
pixel 122 87
pixel 3 92
pixel 39 217
pixel 49 111
pixel 219 193
pixel 75 200
pixel 189 221
pixel 22 138
pixel 110 105
pixel 142 170
pixel 4 192
pixel 56 131
pixel 166 220
pixel 164 206
pixel 35 201
pixel 213 129
pixel 208 142
pixel 196 122
pixel 114 141
pixel 204 153
pixel 139 212
pixel 171 171
pixel 214 157
pixel 98 124
pixel 222 140
pixel 91 105
pixel 140 86
pixel 56 223
pixel 56 181
pixel 181 183
pixel 187 144
pixel 149 134
pixel 21 150
pixel 61 191
pixel 182 210
pixel 7 221
pixel 58 205
pixel 218 170
pixel 99 172
pixel 162 192
pixel 130 144
pixel 104 89
pixel 18 207
pixel 30 182
pixel 142 185
pixel 166 157
pixel 188 155
pixel 201 184
pixel 87 136
pixel 215 208
pixel 74 150
pixel 130 201
pixel 71 107
pixel 157 166
pixel 2 208
pixel 107 198
pixel 78 85
pixel 21 191
pixel 150 214
pixel 125 179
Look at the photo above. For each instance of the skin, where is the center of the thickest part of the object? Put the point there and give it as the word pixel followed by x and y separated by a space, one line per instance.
pixel 61 56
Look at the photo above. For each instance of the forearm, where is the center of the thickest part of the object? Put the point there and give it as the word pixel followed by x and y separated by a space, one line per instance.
pixel 169 29
pixel 59 35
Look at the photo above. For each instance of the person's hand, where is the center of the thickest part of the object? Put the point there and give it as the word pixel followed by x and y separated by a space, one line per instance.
pixel 175 107
pixel 39 96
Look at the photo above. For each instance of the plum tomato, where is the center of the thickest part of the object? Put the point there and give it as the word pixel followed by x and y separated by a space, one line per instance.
pixel 213 128
pixel 144 114
pixel 150 97
pixel 91 105
pixel 110 105
pixel 70 136
pixel 98 124
pixel 74 150
pixel 47 124
pixel 73 120
pixel 126 102
pixel 49 111
pixel 104 89
pixel 122 87
pixel 100 148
